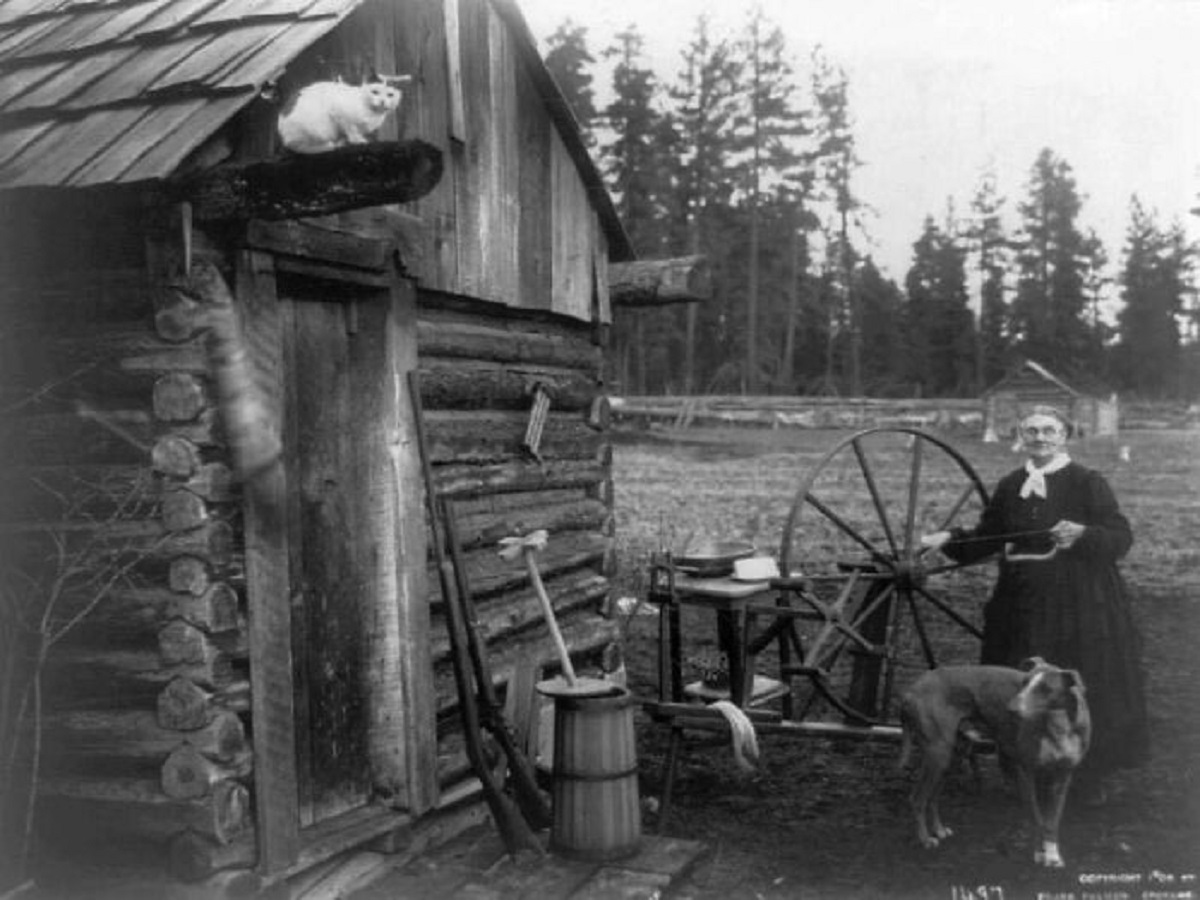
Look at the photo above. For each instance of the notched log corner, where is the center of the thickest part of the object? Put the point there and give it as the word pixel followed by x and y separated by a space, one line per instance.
pixel 296 186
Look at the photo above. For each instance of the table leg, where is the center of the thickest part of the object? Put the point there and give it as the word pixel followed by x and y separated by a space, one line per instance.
pixel 731 635
pixel 668 782
pixel 676 639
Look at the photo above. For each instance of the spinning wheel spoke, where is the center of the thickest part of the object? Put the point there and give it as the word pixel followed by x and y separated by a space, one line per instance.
pixel 919 625
pixel 950 611
pixel 873 488
pixel 914 486
pixel 848 529
pixel 851 629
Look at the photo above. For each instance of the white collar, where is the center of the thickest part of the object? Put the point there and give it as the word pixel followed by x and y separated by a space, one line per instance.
pixel 1035 478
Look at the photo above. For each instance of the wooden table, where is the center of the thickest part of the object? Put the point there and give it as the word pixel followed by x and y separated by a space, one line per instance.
pixel 736 605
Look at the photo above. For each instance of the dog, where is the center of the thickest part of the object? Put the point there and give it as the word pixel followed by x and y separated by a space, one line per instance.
pixel 1038 717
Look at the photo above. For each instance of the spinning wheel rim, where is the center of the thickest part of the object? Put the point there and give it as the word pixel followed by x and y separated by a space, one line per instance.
pixel 896 565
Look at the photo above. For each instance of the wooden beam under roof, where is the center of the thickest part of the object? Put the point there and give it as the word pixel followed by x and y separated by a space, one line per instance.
pixel 298 186
pixel 660 282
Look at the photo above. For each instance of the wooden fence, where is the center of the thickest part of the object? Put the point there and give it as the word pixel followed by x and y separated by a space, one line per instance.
pixel 797 412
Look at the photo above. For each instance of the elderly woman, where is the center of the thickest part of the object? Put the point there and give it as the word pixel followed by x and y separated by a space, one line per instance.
pixel 1059 594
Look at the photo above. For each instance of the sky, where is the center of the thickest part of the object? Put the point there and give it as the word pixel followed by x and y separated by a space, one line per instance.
pixel 943 90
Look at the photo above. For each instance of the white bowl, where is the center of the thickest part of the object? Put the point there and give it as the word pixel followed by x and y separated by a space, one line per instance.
pixel 755 568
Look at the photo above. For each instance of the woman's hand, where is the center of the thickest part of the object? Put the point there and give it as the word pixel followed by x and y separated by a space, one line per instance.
pixel 1065 533
pixel 936 540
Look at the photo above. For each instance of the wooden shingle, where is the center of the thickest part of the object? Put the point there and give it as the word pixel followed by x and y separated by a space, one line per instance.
pixel 54 91
pixel 120 90
pixel 15 83
pixel 91 28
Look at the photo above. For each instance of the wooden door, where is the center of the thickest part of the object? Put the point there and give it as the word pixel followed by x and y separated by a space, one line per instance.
pixel 328 398
pixel 343 709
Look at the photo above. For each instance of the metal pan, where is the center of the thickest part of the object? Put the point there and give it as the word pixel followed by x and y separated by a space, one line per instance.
pixel 712 559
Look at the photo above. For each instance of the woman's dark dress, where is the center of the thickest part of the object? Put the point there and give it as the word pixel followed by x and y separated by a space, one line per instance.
pixel 1071 610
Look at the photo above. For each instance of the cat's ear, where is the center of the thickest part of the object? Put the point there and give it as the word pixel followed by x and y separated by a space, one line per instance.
pixel 393 80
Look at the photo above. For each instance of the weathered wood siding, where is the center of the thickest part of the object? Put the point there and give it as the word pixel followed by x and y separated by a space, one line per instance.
pixel 511 221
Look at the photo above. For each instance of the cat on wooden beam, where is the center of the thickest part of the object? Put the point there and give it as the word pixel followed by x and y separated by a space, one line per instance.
pixel 325 115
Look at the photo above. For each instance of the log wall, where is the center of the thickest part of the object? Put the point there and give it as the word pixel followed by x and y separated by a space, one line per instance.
pixel 112 452
pixel 113 445
pixel 479 367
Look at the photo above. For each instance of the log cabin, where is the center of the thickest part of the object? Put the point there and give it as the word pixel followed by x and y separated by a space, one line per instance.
pixel 219 590
pixel 1094 412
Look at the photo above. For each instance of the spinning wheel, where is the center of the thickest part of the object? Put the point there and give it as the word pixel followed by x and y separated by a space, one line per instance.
pixel 867 605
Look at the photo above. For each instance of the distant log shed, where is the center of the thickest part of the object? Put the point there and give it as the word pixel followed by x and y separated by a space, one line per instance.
pixel 1093 412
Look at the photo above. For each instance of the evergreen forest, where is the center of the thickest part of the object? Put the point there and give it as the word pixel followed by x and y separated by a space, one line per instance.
pixel 747 155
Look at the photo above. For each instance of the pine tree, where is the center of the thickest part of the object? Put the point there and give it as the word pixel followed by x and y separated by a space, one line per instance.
pixel 939 330
pixel 836 161
pixel 1048 312
pixel 568 60
pixel 1155 281
pixel 1095 286
pixel 882 334
pixel 770 126
pixel 704 103
pixel 992 256
pixel 635 163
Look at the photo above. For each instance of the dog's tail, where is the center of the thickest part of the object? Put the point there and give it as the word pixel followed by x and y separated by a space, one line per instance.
pixel 745 741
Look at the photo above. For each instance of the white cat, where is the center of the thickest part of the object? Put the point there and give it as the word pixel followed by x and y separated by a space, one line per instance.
pixel 329 114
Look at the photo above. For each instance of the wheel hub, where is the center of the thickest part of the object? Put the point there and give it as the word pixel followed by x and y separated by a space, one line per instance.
pixel 910 574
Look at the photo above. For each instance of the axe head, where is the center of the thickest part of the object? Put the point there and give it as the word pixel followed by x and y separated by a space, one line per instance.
pixel 513 547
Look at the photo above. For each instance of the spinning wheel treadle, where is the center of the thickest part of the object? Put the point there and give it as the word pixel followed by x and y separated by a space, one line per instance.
pixel 865 604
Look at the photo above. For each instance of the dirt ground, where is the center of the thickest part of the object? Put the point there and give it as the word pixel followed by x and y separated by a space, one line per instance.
pixel 824 819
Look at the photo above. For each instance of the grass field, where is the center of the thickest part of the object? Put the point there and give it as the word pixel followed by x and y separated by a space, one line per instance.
pixel 798 826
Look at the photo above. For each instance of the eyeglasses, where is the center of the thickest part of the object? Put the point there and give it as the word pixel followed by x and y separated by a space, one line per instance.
pixel 1047 430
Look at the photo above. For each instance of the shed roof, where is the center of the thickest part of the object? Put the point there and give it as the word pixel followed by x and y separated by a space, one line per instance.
pixel 116 91
pixel 1021 372
pixel 99 92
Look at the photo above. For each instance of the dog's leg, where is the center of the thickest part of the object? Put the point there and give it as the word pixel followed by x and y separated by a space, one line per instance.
pixel 1029 793
pixel 934 762
pixel 1052 815
pixel 940 830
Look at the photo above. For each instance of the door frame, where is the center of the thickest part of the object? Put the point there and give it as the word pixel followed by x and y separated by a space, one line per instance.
pixel 402 737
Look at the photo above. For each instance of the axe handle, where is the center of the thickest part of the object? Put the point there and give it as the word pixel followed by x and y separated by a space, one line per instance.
pixel 564 655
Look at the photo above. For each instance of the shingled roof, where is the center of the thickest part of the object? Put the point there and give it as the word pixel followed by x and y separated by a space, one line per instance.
pixel 114 91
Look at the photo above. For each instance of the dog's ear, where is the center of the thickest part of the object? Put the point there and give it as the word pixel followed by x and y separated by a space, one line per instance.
pixel 1019 702
pixel 1074 679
